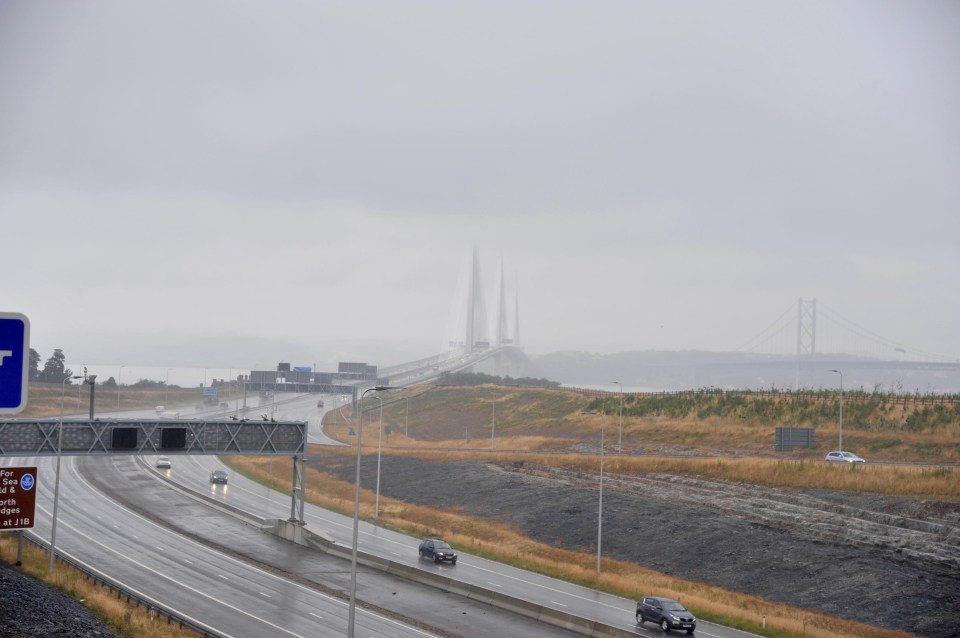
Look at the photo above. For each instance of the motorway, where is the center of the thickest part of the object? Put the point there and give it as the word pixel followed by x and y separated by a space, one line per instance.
pixel 145 528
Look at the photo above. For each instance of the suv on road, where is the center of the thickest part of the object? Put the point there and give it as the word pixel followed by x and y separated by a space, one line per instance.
pixel 163 462
pixel 219 476
pixel 666 612
pixel 437 550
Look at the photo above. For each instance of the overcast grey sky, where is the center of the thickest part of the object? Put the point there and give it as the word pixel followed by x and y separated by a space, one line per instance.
pixel 314 175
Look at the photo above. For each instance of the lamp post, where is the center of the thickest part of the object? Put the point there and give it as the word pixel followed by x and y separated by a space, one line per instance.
pixel 600 503
pixel 119 378
pixel 166 387
pixel 620 428
pixel 840 448
pixel 493 423
pixel 376 507
pixel 351 616
pixel 92 380
pixel 56 480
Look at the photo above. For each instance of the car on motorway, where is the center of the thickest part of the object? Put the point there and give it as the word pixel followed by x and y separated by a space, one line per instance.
pixel 164 462
pixel 666 612
pixel 838 456
pixel 437 550
pixel 219 476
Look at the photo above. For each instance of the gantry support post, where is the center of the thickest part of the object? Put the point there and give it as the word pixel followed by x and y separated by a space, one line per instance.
pixel 297 492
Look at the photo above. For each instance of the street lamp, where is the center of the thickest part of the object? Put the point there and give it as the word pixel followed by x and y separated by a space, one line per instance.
pixel 356 514
pixel 840 448
pixel 376 508
pixel 620 429
pixel 56 481
pixel 119 377
pixel 600 504
pixel 166 386
pixel 493 423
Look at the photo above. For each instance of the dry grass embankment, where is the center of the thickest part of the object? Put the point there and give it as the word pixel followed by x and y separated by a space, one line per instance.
pixel 124 618
pixel 878 427
pixel 502 543
pixel 931 482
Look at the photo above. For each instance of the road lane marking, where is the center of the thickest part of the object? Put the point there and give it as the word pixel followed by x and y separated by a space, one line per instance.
pixel 134 515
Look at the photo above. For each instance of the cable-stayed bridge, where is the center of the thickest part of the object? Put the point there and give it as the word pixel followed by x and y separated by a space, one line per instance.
pixel 801 347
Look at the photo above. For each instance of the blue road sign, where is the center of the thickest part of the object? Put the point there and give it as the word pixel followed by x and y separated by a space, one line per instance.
pixel 26 482
pixel 14 361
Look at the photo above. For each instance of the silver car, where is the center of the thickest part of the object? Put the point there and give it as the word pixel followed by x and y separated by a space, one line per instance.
pixel 839 456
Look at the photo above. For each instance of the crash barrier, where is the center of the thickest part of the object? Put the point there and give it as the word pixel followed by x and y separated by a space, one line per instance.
pixel 154 608
pixel 295 532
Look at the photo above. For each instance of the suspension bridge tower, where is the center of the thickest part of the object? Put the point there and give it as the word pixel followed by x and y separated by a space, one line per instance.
pixel 806 333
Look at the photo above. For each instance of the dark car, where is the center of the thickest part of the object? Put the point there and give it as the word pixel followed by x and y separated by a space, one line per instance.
pixel 666 612
pixel 438 550
pixel 219 476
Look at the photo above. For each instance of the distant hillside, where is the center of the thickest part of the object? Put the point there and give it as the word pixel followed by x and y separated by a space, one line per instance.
pixel 696 369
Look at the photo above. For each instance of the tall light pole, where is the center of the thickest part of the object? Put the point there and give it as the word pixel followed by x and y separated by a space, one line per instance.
pixel 493 423
pixel 620 428
pixel 351 616
pixel 376 507
pixel 119 378
pixel 600 504
pixel 840 448
pixel 56 481
pixel 166 386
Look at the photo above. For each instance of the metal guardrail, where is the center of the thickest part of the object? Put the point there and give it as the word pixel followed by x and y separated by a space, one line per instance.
pixel 154 608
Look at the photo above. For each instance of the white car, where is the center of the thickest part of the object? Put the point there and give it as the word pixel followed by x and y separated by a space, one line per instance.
pixel 163 462
pixel 844 457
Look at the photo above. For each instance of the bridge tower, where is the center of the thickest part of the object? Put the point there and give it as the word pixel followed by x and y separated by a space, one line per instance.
pixel 806 333
pixel 806 327
pixel 516 314
pixel 476 311
pixel 501 337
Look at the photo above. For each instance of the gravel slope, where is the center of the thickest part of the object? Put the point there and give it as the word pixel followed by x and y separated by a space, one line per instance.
pixel 886 561
pixel 30 608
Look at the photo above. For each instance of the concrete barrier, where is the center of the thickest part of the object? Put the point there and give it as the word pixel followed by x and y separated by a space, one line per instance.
pixel 299 534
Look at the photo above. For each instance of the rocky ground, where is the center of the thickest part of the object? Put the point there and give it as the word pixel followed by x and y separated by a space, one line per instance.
pixel 30 608
pixel 886 561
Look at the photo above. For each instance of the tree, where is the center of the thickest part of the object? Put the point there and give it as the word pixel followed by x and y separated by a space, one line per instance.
pixel 34 369
pixel 54 370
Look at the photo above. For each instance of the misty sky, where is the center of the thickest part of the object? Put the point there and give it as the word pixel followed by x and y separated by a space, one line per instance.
pixel 306 177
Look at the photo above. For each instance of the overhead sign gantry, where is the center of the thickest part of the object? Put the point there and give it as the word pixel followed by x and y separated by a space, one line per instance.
pixel 39 437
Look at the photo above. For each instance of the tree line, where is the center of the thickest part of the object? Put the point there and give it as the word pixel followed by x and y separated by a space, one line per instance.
pixel 55 371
